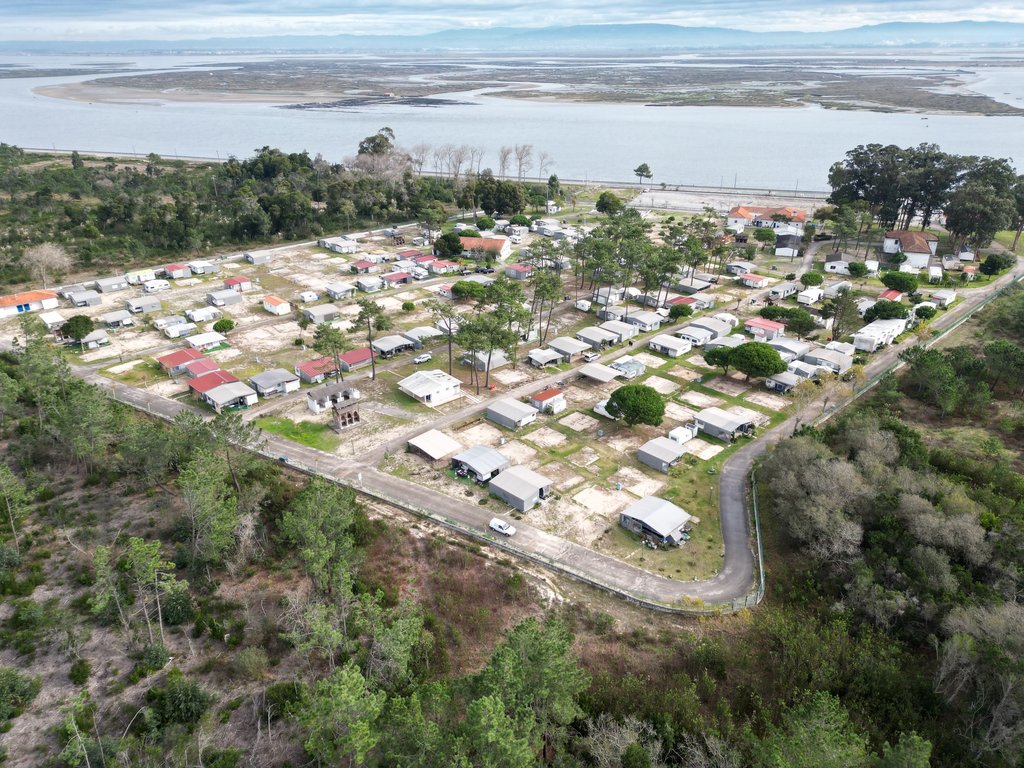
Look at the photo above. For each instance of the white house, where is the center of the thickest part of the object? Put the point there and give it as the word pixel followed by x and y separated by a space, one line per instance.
pixel 622 331
pixel 838 263
pixel 713 324
pixel 833 290
pixel 878 334
pixel 139 276
pixel 510 413
pixel 551 400
pixel 763 329
pixel 669 345
pixel 202 267
pixel 111 284
pixel 787 218
pixel 789 349
pixel 276 381
pixel 431 387
pixel 810 295
pixel 751 280
pixel 27 301
pixel 740 267
pixel 919 247
pixel 205 341
pixel 203 314
pixel 276 306
pixel 697 337
pixel 338 244
pixel 944 298
pixel 784 291
pixel 645 320
pixel 788 245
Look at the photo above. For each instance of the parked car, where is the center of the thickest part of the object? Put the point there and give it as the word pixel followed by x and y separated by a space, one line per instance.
pixel 502 527
pixel 426 357
pixel 590 356
pixel 467 272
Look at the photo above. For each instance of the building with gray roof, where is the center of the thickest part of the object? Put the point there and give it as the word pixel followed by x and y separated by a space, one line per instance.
pixel 481 462
pixel 656 518
pixel 660 453
pixel 520 487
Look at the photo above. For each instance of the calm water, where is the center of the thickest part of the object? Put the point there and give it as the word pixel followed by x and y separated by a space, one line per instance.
pixel 761 147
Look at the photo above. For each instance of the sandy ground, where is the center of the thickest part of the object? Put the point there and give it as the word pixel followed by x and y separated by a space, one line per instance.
pixel 676 412
pixel 767 400
pixel 700 400
pixel 584 457
pixel 727 386
pixel 579 422
pixel 720 200
pixel 651 361
pixel 662 386
pixel 636 482
pixel 517 452
pixel 702 449
pixel 545 437
pixel 760 419
pixel 685 373
pixel 697 360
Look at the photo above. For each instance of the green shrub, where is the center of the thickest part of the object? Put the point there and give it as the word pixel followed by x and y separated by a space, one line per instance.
pixel 177 608
pixel 251 663
pixel 16 692
pixel 152 659
pixel 408 306
pixel 224 325
pixel 178 701
pixel 280 698
pixel 80 671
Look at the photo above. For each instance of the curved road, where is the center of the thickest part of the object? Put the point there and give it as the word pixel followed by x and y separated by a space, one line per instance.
pixel 729 589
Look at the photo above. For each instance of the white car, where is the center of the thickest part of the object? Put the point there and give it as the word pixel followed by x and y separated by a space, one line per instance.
pixel 426 357
pixel 502 527
pixel 590 356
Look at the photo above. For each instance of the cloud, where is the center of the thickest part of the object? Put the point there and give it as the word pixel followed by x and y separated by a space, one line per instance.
pixel 184 19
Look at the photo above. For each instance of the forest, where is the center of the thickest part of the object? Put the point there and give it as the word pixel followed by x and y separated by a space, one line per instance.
pixel 113 213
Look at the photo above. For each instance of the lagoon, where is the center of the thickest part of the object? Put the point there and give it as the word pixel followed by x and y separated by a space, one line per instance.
pixel 769 147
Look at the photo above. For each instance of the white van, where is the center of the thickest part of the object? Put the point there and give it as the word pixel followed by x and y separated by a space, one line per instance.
pixel 155 286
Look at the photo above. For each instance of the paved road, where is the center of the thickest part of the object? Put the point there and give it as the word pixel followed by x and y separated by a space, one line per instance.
pixel 732 583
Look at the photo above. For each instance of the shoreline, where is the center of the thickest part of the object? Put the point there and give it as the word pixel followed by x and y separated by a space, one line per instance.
pixel 93 91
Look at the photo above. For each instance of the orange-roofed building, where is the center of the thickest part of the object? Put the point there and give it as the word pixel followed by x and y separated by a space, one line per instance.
pixel 28 301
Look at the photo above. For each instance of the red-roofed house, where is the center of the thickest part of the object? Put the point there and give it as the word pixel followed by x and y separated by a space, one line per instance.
pixel 764 329
pixel 751 280
pixel 28 301
pixel 518 271
pixel 891 294
pixel 425 259
pixel 356 358
pixel 364 267
pixel 397 278
pixel 238 283
pixel 197 368
pixel 177 271
pixel 410 254
pixel 761 217
pixel 315 371
pixel 550 400
pixel 445 291
pixel 500 247
pixel 175 362
pixel 443 267
pixel 919 247
pixel 205 383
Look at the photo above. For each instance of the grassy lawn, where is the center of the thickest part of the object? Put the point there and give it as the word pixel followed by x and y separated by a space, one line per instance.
pixel 141 375
pixel 1006 240
pixel 318 436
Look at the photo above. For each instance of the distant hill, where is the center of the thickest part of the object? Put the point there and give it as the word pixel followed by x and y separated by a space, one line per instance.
pixel 574 39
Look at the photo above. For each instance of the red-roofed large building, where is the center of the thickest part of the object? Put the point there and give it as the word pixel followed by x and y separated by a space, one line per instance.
pixel 891 294
pixel 762 217
pixel 397 278
pixel 175 362
pixel 356 358
pixel 764 329
pixel 28 301
pixel 754 281
pixel 425 259
pixel 500 247
pixel 315 371
pixel 919 247
pixel 205 383
pixel 201 367
pixel 412 254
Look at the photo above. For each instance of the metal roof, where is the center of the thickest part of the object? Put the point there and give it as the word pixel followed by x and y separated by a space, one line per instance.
pixel 423 383
pixel 435 444
pixel 598 333
pixel 724 420
pixel 272 378
pixel 482 459
pixel 662 449
pixel 387 344
pixel 233 390
pixel 545 356
pixel 568 346
pixel 672 342
pixel 511 409
pixel 661 516
pixel 599 372
pixel 520 482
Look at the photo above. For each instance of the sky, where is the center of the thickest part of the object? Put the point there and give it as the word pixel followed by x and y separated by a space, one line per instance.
pixel 192 19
